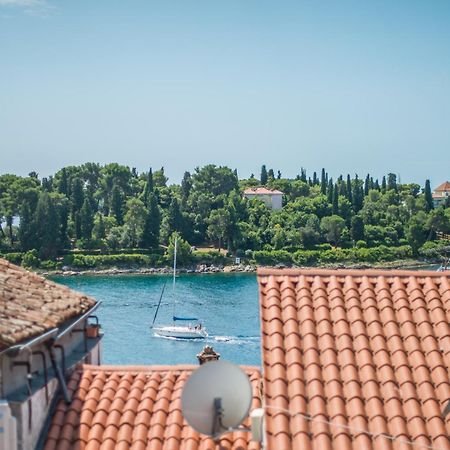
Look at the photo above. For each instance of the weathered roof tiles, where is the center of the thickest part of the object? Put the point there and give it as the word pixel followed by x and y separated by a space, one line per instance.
pixel 31 305
pixel 355 359
pixel 134 408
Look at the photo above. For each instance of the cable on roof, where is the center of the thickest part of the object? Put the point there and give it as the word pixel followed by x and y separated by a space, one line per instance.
pixel 353 429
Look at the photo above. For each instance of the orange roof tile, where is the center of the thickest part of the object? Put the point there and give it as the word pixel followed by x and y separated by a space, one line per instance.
pixel 262 191
pixel 444 187
pixel 31 305
pixel 353 359
pixel 134 408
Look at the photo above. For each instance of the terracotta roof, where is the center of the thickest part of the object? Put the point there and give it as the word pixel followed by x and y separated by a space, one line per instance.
pixel 31 305
pixel 134 408
pixel 351 355
pixel 443 187
pixel 262 191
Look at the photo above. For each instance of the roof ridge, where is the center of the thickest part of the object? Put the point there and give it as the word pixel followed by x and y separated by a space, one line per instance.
pixel 148 368
pixel 265 271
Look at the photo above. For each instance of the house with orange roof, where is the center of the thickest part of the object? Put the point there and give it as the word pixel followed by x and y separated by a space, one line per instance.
pixel 355 359
pixel 45 330
pixel 271 197
pixel 441 194
pixel 351 359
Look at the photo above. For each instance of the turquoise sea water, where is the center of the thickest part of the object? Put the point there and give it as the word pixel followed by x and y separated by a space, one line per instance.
pixel 226 303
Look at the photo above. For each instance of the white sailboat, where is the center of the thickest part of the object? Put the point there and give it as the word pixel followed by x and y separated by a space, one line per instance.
pixel 192 328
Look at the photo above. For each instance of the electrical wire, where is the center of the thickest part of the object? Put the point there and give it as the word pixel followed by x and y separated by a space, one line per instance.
pixel 352 429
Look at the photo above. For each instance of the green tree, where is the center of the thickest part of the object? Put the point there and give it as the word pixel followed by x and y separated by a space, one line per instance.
pixel 391 182
pixel 416 231
pixel 332 227
pixel 184 251
pixel 134 220
pixel 218 225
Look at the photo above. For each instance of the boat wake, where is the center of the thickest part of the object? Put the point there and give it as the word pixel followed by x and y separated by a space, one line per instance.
pixel 172 338
pixel 234 339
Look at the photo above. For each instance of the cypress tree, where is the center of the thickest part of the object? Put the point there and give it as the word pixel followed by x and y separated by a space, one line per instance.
pixel 174 217
pixel 367 185
pixel 349 189
pixel 357 229
pixel 186 186
pixel 86 219
pixel 149 186
pixel 63 182
pixel 315 180
pixel 330 191
pixel 303 175
pixel 383 185
pixel 77 196
pixel 377 185
pixel 323 183
pixel 279 175
pixel 152 224
pixel 270 174
pixel 428 196
pixel 47 227
pixel 336 199
pixel 117 204
pixel 27 230
pixel 263 175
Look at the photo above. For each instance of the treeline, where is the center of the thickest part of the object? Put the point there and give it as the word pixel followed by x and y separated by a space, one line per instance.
pixel 113 208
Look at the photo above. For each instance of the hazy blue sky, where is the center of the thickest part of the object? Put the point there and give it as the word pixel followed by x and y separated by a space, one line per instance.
pixel 354 86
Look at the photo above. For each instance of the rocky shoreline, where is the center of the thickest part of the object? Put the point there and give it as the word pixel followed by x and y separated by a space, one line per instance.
pixel 241 268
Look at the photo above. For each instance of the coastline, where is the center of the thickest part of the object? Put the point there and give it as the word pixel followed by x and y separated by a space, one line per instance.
pixel 241 268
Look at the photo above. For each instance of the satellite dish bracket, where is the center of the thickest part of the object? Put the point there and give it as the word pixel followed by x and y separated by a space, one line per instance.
pixel 218 427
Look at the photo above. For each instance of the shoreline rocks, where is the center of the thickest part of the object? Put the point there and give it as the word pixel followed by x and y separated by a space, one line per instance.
pixel 207 269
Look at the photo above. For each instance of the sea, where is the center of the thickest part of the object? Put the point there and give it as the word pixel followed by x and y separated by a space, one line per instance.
pixel 226 304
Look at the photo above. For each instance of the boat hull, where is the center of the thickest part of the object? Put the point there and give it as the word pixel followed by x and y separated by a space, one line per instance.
pixel 178 332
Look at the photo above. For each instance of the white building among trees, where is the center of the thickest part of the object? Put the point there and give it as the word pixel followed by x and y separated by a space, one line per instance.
pixel 272 198
pixel 441 194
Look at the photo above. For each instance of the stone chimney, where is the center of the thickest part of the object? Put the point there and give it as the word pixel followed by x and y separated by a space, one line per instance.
pixel 207 354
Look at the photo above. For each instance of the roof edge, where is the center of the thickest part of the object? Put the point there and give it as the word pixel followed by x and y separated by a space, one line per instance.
pixel 151 368
pixel 267 271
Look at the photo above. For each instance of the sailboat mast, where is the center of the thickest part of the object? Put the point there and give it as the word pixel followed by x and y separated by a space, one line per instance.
pixel 174 275
pixel 174 265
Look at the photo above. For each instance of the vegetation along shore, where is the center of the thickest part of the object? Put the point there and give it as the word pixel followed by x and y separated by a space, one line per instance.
pixel 96 218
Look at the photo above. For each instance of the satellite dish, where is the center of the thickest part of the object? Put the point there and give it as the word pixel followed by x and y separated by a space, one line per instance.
pixel 216 398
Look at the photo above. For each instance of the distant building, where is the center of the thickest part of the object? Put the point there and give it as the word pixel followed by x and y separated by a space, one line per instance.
pixel 46 330
pixel 271 197
pixel 441 194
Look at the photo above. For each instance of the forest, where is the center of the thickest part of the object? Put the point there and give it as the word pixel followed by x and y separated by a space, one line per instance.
pixel 98 215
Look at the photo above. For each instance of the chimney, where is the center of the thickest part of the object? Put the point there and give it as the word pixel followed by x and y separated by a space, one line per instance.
pixel 207 354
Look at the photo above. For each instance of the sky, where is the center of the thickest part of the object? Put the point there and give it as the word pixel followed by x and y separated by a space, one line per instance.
pixel 352 86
